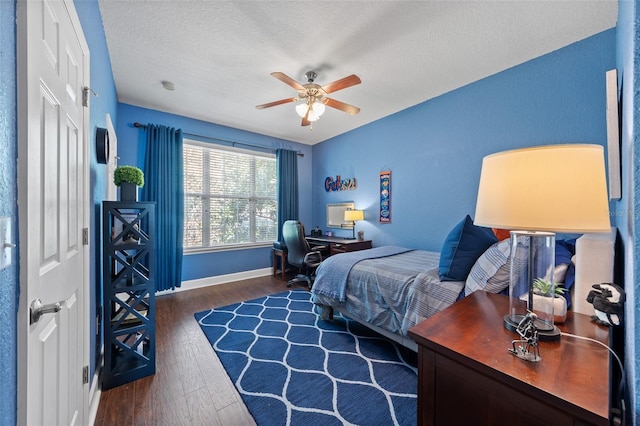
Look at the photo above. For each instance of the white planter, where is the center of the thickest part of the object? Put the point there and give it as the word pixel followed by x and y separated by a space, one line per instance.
pixel 541 306
pixel 559 310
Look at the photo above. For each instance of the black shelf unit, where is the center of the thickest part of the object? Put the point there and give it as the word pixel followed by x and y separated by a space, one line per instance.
pixel 128 258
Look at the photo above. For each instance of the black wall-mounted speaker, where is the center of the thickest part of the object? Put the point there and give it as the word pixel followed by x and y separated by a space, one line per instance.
pixel 102 145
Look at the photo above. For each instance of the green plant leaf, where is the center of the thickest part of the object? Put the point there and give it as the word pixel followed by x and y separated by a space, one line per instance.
pixel 129 174
pixel 544 288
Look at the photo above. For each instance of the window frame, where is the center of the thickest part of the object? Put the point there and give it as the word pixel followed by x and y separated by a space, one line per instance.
pixel 206 218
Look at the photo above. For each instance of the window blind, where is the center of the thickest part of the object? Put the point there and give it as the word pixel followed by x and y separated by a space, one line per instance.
pixel 230 196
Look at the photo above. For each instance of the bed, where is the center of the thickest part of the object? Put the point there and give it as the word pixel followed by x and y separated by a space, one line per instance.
pixel 390 289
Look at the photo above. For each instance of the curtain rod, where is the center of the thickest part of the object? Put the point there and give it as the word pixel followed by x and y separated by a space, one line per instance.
pixel 233 143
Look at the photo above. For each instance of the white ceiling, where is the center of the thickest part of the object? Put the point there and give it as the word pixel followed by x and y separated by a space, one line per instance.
pixel 219 54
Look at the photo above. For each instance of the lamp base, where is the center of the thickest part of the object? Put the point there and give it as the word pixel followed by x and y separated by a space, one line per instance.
pixel 545 334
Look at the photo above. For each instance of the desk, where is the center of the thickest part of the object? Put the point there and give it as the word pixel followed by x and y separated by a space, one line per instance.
pixel 340 245
pixel 335 245
pixel 467 376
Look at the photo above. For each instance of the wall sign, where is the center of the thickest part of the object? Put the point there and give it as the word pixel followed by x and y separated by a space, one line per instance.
pixel 385 197
pixel 339 184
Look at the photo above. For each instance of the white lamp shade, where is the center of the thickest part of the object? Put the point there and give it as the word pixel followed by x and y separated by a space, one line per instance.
pixel 301 109
pixel 559 188
pixel 353 215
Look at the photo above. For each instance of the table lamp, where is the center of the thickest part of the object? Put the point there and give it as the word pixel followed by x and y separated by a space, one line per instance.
pixel 353 215
pixel 535 192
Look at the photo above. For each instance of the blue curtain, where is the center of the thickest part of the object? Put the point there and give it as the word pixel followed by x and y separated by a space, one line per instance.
pixel 164 176
pixel 287 163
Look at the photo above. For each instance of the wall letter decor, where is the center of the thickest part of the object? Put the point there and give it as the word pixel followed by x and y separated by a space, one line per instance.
pixel 339 184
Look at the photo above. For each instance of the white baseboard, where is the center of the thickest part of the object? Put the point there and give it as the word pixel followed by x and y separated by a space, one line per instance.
pixel 218 279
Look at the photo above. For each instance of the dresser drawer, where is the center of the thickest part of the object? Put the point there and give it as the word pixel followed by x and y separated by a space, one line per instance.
pixel 336 248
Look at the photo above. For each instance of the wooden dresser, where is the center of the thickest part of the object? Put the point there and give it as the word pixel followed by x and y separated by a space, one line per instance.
pixel 467 376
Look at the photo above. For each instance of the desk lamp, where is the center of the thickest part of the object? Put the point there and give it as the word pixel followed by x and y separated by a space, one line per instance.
pixel 535 192
pixel 353 215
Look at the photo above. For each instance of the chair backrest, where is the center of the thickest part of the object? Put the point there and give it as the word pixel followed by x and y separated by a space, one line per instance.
pixel 297 245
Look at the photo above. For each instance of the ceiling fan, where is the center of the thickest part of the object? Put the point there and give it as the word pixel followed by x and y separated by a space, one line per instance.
pixel 314 96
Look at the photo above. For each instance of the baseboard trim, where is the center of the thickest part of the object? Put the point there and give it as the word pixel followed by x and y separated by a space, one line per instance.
pixel 218 279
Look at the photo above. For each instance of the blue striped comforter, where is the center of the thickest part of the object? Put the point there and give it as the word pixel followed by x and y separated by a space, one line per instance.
pixel 334 271
pixel 393 292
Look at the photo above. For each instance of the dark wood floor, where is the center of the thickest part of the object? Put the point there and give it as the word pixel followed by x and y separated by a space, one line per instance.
pixel 190 386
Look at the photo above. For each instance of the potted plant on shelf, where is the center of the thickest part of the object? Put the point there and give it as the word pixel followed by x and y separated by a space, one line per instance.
pixel 128 178
pixel 543 289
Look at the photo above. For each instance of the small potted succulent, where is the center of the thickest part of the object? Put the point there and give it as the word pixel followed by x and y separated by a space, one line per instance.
pixel 128 178
pixel 543 289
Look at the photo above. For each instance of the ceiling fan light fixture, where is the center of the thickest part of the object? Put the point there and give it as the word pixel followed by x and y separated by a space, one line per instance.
pixel 301 109
pixel 315 110
pixel 318 108
pixel 314 97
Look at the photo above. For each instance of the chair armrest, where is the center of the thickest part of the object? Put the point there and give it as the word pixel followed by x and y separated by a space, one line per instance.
pixel 313 258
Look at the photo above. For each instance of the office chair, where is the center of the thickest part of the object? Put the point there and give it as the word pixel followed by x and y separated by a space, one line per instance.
pixel 300 254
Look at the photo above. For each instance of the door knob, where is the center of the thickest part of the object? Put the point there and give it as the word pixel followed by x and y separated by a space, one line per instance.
pixel 37 309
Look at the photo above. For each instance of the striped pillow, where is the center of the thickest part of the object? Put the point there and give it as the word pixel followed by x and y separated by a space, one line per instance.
pixel 491 270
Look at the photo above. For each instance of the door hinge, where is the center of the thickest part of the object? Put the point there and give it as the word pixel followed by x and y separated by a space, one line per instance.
pixel 85 236
pixel 85 95
pixel 85 374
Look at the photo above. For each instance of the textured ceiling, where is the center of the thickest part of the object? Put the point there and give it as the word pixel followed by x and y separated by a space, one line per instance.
pixel 219 54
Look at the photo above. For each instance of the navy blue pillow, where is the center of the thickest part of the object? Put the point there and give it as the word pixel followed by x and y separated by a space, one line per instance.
pixel 565 250
pixel 462 247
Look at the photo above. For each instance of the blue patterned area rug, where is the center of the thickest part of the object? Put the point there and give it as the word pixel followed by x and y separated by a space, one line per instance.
pixel 292 368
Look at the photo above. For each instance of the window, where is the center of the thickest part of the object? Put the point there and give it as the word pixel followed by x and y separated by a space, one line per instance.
pixel 229 197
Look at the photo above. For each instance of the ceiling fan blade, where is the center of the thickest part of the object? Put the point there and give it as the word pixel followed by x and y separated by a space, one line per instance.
pixel 343 83
pixel 349 109
pixel 280 102
pixel 287 80
pixel 305 119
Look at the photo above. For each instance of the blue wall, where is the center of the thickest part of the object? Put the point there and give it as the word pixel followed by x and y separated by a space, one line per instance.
pixel 435 149
pixel 8 195
pixel 105 103
pixel 131 148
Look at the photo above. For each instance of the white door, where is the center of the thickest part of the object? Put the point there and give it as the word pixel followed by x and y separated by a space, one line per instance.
pixel 53 201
